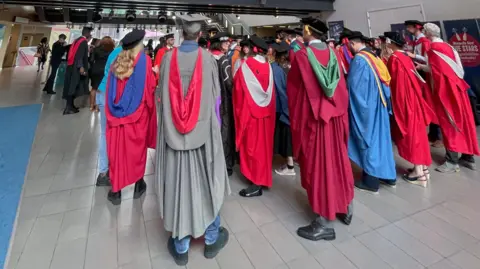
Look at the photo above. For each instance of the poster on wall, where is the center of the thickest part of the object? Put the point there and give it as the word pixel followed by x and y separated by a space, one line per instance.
pixel 400 28
pixel 335 28
pixel 2 33
pixel 464 36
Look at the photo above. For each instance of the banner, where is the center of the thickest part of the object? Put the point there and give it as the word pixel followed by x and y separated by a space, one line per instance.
pixel 464 36
pixel 335 28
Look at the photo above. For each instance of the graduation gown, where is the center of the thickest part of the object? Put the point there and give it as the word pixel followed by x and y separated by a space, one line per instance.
pixel 450 99
pixel 75 84
pixel 370 143
pixel 411 112
pixel 319 127
pixel 159 56
pixel 191 176
pixel 226 107
pixel 346 58
pixel 295 46
pixel 254 110
pixel 422 46
pixel 130 134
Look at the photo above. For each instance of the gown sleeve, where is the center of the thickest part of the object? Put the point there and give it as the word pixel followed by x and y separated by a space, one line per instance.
pixel 216 88
pixel 240 110
pixel 151 108
pixel 399 86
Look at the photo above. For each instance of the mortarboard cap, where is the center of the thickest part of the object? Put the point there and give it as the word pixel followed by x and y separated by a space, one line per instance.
pixel 256 41
pixel 315 25
pixel 298 31
pixel 345 33
pixel 357 35
pixel 202 42
pixel 245 43
pixel 168 36
pixel 395 38
pixel 281 47
pixel 417 24
pixel 132 39
pixel 220 37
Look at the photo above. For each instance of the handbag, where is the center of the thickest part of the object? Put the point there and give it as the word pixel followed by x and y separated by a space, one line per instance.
pixel 37 55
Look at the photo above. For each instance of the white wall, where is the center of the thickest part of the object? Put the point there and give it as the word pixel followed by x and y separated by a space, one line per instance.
pixel 354 12
pixel 262 20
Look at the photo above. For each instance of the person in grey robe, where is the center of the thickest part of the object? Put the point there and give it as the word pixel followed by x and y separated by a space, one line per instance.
pixel 191 174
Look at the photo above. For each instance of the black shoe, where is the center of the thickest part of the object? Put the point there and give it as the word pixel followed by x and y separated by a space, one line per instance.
pixel 230 172
pixel 211 251
pixel 346 218
pixel 140 189
pixel 316 231
pixel 180 259
pixel 115 197
pixel 69 111
pixel 361 186
pixel 103 180
pixel 389 183
pixel 51 92
pixel 251 191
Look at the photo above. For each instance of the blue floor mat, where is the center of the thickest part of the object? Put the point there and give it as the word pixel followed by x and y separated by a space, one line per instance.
pixel 17 132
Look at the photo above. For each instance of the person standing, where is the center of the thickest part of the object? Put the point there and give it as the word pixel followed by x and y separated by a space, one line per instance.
pixel 169 42
pixel 42 52
pixel 131 116
pixel 76 76
pixel 412 114
pixel 149 48
pixel 191 175
pixel 219 45
pixel 99 59
pixel 318 106
pixel 283 135
pixel 296 44
pixel 244 52
pixel 370 142
pixel 58 50
pixel 346 55
pixel 254 110
pixel 451 102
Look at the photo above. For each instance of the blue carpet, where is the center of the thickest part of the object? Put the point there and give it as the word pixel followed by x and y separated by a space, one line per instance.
pixel 17 131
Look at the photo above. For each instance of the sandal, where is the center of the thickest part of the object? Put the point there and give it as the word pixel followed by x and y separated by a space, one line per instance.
pixel 416 180
pixel 426 172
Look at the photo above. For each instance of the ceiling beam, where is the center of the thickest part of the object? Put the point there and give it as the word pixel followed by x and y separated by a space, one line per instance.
pixel 66 15
pixel 41 14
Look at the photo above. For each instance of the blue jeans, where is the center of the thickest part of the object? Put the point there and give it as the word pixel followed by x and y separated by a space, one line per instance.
pixel 211 236
pixel 102 149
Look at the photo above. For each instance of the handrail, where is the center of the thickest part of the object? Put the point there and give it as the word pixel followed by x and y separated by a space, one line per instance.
pixel 245 29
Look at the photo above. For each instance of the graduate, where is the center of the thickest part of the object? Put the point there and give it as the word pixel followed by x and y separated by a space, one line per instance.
pixel 191 176
pixel 451 102
pixel 244 52
pixel 254 110
pixel 130 112
pixel 296 44
pixel 76 76
pixel 283 135
pixel 169 42
pixel 421 44
pixel 346 55
pixel 318 106
pixel 331 42
pixel 411 112
pixel 370 143
pixel 219 45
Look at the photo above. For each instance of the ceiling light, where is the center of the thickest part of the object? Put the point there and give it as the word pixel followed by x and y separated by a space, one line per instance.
pixel 169 13
pixel 162 17
pixel 174 17
pixel 97 17
pixel 209 21
pixel 238 17
pixel 130 15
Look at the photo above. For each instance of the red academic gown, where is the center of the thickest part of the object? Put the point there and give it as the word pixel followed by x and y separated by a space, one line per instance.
pixel 319 128
pixel 254 125
pixel 291 53
pixel 422 45
pixel 128 138
pixel 158 58
pixel 343 59
pixel 412 113
pixel 451 102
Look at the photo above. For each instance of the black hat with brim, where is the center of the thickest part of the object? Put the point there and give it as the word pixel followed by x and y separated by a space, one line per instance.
pixel 202 42
pixel 132 39
pixel 415 23
pixel 220 37
pixel 315 24
pixel 281 47
pixel 256 41
pixel 345 33
pixel 357 35
pixel 245 43
pixel 298 31
pixel 395 38
pixel 170 35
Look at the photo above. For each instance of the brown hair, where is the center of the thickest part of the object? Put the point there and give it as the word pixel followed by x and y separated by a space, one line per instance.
pixel 107 43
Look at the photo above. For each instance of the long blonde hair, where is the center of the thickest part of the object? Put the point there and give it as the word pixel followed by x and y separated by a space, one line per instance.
pixel 124 64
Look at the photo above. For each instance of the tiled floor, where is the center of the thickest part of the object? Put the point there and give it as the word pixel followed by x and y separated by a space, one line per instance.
pixel 67 223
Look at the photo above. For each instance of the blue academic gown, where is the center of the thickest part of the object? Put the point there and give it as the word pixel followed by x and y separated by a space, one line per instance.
pixel 280 80
pixel 370 143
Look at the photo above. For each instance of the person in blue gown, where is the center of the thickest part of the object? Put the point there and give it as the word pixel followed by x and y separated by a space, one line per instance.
pixel 370 143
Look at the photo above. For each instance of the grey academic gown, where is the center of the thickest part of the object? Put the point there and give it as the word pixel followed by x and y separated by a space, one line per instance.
pixel 191 175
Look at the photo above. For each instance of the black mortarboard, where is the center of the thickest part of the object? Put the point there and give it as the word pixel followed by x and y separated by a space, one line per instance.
pixel 345 33
pixel 220 37
pixel 244 43
pixel 396 38
pixel 202 42
pixel 168 36
pixel 281 47
pixel 270 40
pixel 298 31
pixel 357 35
pixel 132 39
pixel 415 23
pixel 315 24
pixel 382 37
pixel 258 42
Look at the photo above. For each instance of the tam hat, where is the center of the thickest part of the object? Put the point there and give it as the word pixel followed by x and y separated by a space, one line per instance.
pixel 395 38
pixel 415 23
pixel 132 39
pixel 298 31
pixel 315 25
pixel 170 35
pixel 281 47
pixel 358 35
pixel 345 33
pixel 258 43
pixel 220 37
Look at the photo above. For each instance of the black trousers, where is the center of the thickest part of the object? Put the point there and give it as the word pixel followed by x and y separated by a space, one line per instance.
pixel 51 79
pixel 70 101
pixel 434 133
pixel 454 157
pixel 371 181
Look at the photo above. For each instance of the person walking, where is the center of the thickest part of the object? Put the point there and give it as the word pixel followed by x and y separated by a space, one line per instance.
pixel 58 50
pixel 99 59
pixel 42 52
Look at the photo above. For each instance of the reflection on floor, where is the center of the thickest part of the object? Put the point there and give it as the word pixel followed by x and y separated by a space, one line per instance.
pixel 66 222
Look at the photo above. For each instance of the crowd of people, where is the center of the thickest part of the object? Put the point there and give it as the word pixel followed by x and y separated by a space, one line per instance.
pixel 211 104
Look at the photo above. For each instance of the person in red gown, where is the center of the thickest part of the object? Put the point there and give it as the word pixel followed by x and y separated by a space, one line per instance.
pixel 346 55
pixel 169 42
pixel 131 116
pixel 451 102
pixel 318 107
pixel 255 114
pixel 411 112
pixel 296 44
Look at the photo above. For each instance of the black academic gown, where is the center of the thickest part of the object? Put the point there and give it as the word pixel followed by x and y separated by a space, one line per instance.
pixel 75 84
pixel 226 110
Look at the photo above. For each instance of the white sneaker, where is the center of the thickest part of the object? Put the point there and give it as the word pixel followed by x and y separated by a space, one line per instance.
pixel 284 171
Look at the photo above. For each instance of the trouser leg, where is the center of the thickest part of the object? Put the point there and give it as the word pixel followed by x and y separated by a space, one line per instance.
pixel 51 79
pixel 102 155
pixel 370 181
pixel 452 157
pixel 434 133
pixel 212 232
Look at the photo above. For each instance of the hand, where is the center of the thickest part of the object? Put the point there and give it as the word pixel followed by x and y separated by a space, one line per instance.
pixel 82 71
pixel 156 69
pixel 411 55
pixel 420 67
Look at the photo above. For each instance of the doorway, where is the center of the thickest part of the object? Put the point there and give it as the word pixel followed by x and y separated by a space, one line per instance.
pixel 12 50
